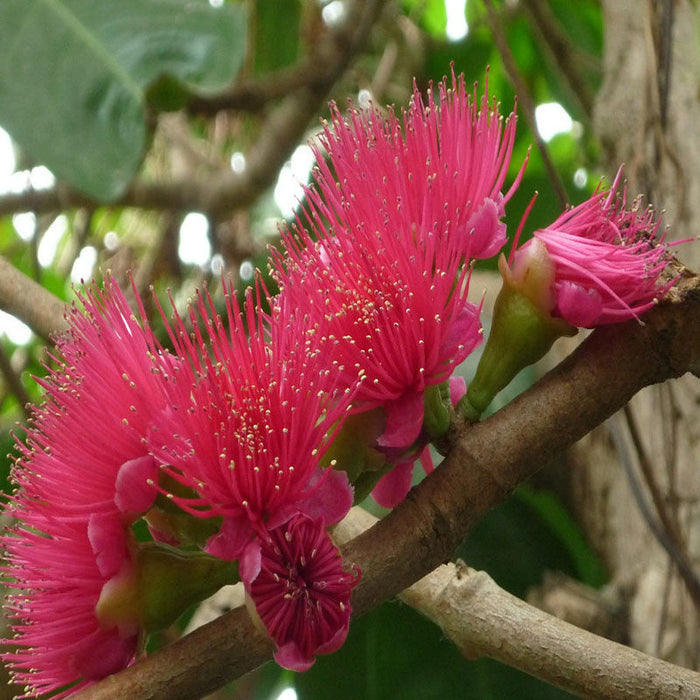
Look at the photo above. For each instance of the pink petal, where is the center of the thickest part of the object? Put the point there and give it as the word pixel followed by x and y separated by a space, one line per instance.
pixel 250 563
pixel 108 541
pixel 578 306
pixel 426 460
pixel 458 388
pixel 335 642
pixel 464 335
pixel 330 500
pixel 486 233
pixel 136 485
pixel 105 653
pixel 289 656
pixel 228 544
pixel 404 420
pixel 393 487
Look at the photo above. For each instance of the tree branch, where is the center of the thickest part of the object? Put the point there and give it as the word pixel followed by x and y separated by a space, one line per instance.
pixel 26 299
pixel 482 619
pixel 566 56
pixel 487 461
pixel 528 104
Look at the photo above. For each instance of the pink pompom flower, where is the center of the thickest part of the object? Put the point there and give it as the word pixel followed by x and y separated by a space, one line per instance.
pixel 440 169
pixel 300 591
pixel 379 259
pixel 598 263
pixel 83 477
pixel 249 437
pixel 607 260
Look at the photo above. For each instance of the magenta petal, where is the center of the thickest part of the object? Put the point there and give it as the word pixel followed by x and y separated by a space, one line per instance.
pixel 486 233
pixel 108 541
pixel 164 537
pixel 426 460
pixel 331 500
pixel 578 306
pixel 289 656
pixel 106 652
pixel 250 563
pixel 465 334
pixel 393 487
pixel 229 542
pixel 136 485
pixel 458 388
pixel 404 420
pixel 335 642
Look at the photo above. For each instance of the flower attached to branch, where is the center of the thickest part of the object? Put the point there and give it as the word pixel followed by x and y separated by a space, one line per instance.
pixel 300 591
pixel 84 476
pixel 56 574
pixel 380 257
pixel 248 439
pixel 608 261
pixel 598 263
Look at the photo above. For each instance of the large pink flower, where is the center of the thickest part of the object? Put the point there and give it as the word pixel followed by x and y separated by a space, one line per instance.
pixel 441 171
pixel 83 477
pixel 395 308
pixel 379 259
pixel 606 259
pixel 248 439
pixel 300 591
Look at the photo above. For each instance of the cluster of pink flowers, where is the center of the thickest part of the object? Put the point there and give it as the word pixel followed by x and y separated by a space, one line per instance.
pixel 254 432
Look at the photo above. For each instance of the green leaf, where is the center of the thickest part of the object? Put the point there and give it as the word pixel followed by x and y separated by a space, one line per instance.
pixel 527 535
pixel 74 76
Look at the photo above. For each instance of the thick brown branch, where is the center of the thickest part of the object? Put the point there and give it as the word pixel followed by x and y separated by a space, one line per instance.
pixel 482 619
pixel 487 462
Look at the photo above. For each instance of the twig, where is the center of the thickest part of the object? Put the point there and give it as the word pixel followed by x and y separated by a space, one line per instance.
pixel 525 100
pixel 673 540
pixel 13 382
pixel 24 298
pixel 482 619
pixel 486 462
pixel 565 54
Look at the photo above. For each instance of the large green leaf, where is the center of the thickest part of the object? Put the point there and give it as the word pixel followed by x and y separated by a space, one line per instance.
pixel 74 77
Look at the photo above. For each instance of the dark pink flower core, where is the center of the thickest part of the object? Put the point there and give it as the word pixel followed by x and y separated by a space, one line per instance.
pixel 302 593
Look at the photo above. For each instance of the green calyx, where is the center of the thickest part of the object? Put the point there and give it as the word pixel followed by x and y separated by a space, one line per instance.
pixel 438 410
pixel 522 332
pixel 174 524
pixel 354 451
pixel 161 585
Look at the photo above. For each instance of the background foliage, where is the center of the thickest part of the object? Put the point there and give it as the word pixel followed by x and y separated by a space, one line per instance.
pixel 160 137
